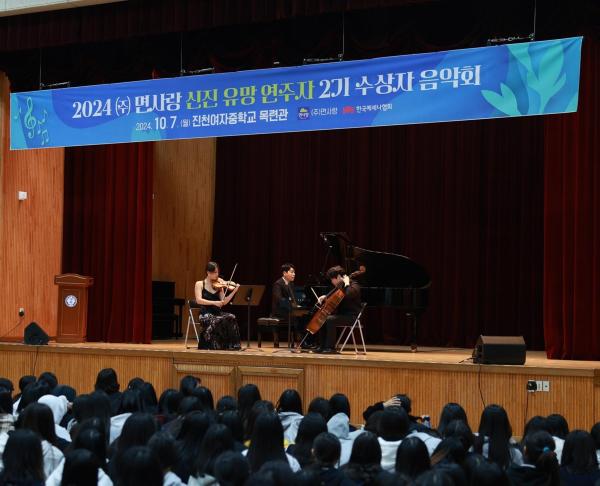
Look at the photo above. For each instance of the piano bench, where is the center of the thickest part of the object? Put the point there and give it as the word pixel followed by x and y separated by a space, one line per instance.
pixel 269 324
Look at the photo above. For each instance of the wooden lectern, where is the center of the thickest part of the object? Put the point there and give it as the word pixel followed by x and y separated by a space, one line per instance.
pixel 72 307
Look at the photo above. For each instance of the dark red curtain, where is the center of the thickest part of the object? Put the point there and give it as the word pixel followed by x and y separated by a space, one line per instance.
pixel 463 200
pixel 572 221
pixel 108 235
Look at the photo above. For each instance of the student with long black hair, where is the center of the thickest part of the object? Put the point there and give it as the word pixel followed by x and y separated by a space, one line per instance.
pixel 231 469
pixel 80 468
pixel 451 411
pixel 138 466
pixel 267 443
pixel 289 408
pixel 248 395
pixel 364 465
pixel 540 466
pixel 259 407
pixel 218 439
pixel 22 459
pixel 162 445
pixel 189 441
pixel 107 382
pixel 494 441
pixel 38 418
pixel 579 464
pixel 310 426
pixel 412 458
pixel 231 419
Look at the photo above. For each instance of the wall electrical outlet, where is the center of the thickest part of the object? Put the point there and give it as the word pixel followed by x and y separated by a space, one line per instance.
pixel 538 386
pixel 546 386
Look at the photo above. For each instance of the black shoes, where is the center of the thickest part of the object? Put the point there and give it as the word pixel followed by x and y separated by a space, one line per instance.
pixel 326 351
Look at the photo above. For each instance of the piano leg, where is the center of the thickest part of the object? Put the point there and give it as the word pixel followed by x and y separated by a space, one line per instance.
pixel 413 340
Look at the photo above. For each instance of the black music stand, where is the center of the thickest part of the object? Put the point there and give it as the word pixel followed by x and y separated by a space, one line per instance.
pixel 249 296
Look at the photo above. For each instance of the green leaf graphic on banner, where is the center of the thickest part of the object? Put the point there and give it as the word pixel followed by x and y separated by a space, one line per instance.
pixel 572 106
pixel 505 101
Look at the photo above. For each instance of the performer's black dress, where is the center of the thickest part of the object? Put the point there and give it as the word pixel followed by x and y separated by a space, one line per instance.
pixel 220 329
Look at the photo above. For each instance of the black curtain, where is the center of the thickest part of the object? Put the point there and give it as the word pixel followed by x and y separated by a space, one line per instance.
pixel 463 200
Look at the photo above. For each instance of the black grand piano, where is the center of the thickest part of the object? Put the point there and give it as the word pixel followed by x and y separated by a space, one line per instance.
pixel 386 279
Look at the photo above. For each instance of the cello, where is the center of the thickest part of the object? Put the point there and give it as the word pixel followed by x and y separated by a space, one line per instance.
pixel 332 300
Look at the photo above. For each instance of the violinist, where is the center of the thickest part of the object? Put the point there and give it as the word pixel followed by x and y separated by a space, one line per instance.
pixel 220 329
pixel 346 311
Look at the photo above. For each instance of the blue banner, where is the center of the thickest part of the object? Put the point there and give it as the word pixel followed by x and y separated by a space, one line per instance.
pixel 532 78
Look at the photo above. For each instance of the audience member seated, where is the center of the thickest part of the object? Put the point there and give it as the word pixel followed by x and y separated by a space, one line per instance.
pixel 579 465
pixel 412 458
pixel 310 426
pixel 289 408
pixel 218 439
pixel 327 450
pixel 267 443
pixel 22 460
pixel 364 466
pixel 392 429
pixel 162 445
pixel 59 406
pixel 107 382
pixel 494 441
pixel 539 466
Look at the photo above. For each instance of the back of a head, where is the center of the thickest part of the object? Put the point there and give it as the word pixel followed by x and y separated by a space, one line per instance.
pixel 393 424
pixel 372 424
pixel 7 386
pixel 138 467
pixel 290 401
pixel 405 402
pixel 457 429
pixel 449 450
pixel 80 469
pixel 26 380
pixel 162 445
pixel 226 403
pixel 187 385
pixel 412 457
pixel 321 406
pixel 366 450
pixel 488 474
pixel 579 452
pixel 6 403
pixel 267 441
pixel 91 436
pixel 22 457
pixel 205 396
pixel 32 393
pixel 49 378
pixel 38 418
pixel 137 430
pixel 194 426
pixel 65 390
pixel 107 381
pixel 131 401
pixel 535 424
pixel 218 439
pixel 247 395
pixel 539 451
pixel 231 469
pixel 311 425
pixel 259 407
pixel 327 449
pixel 339 403
pixel 148 397
pixel 451 411
pixel 494 426
pixel 232 420
pixel 557 425
pixel 169 401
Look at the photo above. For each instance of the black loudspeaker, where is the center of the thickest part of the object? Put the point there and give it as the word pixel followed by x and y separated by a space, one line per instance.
pixel 508 350
pixel 35 335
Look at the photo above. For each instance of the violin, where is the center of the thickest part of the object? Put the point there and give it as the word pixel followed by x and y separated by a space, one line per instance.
pixel 221 284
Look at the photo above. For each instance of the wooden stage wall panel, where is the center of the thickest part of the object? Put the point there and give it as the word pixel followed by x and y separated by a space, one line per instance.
pixel 30 231
pixel 574 392
pixel 182 226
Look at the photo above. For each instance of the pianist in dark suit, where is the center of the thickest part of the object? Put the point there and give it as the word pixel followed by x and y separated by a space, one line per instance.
pixel 346 311
pixel 284 298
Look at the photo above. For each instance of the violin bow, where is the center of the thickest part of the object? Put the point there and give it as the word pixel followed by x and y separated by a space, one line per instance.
pixel 230 279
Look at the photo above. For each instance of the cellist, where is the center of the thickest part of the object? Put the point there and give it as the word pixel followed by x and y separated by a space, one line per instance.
pixel 344 314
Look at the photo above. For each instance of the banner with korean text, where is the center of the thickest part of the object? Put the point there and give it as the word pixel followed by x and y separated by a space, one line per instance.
pixel 523 79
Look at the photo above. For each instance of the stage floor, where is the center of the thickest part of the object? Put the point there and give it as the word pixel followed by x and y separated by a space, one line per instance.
pixel 431 376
